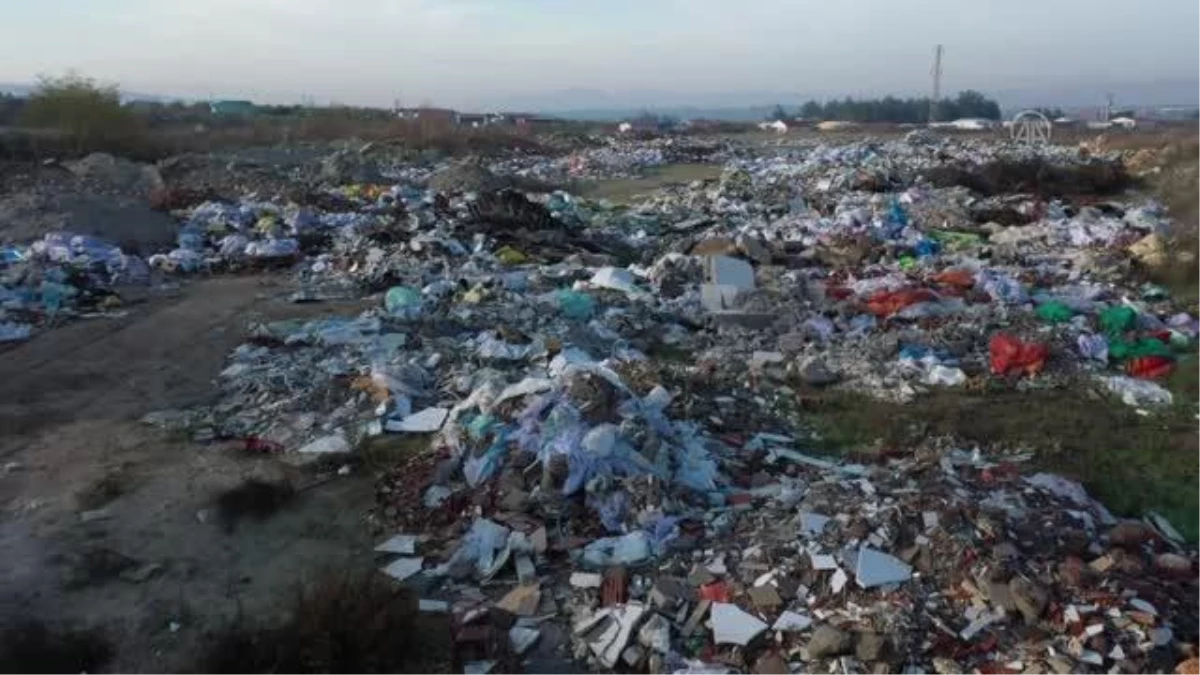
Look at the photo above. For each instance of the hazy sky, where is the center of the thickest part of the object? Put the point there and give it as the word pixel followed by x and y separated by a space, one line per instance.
pixel 484 53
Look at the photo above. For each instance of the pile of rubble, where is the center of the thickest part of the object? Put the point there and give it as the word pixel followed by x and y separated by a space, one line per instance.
pixel 588 410
pixel 568 490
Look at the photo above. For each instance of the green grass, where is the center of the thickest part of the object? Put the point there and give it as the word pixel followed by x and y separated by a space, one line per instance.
pixel 623 190
pixel 1131 463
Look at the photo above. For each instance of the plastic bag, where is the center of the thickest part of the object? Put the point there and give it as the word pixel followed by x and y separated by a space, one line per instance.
pixel 886 303
pixel 957 278
pixel 1150 367
pixel 1093 347
pixel 1054 311
pixel 403 302
pixel 1117 320
pixel 1009 354
pixel 10 331
pixel 1138 393
pixel 575 305
pixel 1121 350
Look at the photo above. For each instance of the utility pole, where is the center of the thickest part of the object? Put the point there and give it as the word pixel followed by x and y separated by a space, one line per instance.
pixel 937 83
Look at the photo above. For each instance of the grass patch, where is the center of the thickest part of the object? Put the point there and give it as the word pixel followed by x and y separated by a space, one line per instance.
pixel 1130 463
pixel 340 623
pixel 34 647
pixel 628 189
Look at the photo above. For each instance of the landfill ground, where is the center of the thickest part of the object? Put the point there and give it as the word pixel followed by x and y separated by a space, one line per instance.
pixel 93 496
pixel 193 478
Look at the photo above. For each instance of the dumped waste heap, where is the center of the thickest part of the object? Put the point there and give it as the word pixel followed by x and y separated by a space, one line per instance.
pixel 584 415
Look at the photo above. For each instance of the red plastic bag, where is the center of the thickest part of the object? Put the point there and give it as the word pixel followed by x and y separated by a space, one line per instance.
pixel 956 278
pixel 1011 355
pixel 886 303
pixel 1149 367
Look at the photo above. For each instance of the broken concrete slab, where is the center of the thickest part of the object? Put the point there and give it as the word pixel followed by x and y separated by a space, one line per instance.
pixel 733 625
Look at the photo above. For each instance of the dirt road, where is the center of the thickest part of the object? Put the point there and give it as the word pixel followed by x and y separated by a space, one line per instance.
pixel 70 401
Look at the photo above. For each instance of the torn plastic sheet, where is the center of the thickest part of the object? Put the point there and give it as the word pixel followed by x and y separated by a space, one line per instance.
pixel 481 468
pixel 478 548
pixel 611 508
pixel 488 346
pixel 628 549
pixel 1069 489
pixel 695 468
pixel 602 454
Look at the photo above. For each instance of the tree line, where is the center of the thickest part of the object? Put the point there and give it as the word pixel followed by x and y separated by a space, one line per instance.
pixel 967 103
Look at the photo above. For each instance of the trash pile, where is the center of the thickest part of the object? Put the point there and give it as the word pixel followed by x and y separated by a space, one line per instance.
pixel 612 158
pixel 60 276
pixel 586 410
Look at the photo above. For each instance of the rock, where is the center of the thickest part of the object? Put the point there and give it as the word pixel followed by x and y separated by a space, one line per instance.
pixel 1174 566
pixel 1029 598
pixel 754 249
pixel 1000 596
pixel 827 641
pixel 869 646
pixel 815 373
pixel 771 663
pixel 1131 533
pixel 1072 571
pixel 944 666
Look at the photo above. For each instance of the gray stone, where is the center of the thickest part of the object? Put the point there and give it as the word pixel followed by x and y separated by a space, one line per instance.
pixel 1000 596
pixel 827 641
pixel 814 372
pixel 1029 598
pixel 870 646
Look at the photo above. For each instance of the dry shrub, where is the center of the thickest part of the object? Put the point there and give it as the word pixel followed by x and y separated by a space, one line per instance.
pixel 89 114
pixel 34 647
pixel 252 498
pixel 341 623
pixel 1177 185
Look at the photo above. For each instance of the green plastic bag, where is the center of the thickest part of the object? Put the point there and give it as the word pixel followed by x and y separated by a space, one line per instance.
pixel 1117 320
pixel 1054 312
pixel 575 305
pixel 1121 350
pixel 403 301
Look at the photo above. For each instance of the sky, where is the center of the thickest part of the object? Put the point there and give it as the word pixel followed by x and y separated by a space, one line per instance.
pixel 558 54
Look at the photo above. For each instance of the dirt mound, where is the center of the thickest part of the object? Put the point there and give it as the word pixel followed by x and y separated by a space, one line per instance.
pixel 1034 176
pixel 117 174
pixel 131 224
pixel 469 176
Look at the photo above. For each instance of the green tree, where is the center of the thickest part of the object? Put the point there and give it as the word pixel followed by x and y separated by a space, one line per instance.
pixel 78 106
pixel 779 113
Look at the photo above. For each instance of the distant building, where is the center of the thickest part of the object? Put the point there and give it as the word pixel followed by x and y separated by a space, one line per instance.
pixel 230 108
pixel 445 115
pixel 1123 122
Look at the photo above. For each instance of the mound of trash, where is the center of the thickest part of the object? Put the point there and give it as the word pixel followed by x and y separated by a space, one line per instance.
pixel 584 414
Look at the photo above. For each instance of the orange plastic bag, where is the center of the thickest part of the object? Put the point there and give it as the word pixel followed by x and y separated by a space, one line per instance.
pixel 1010 354
pixel 1149 367
pixel 957 278
pixel 886 303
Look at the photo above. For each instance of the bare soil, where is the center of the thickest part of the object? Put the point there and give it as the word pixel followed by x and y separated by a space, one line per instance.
pixel 70 404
